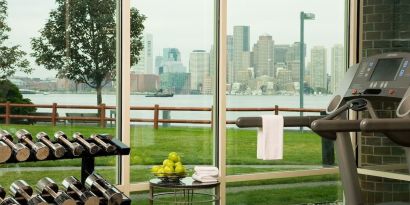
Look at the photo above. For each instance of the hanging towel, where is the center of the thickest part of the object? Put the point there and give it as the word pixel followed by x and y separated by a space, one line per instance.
pixel 204 178
pixel 270 138
pixel 206 170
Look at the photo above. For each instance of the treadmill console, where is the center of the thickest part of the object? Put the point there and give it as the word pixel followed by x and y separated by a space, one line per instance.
pixel 385 75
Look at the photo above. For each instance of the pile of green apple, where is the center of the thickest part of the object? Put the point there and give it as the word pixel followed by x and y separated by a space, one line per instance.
pixel 170 167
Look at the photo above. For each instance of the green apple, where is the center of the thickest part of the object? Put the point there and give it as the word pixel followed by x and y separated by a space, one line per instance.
pixel 178 164
pixel 168 163
pixel 173 156
pixel 180 169
pixel 155 168
pixel 168 170
pixel 160 172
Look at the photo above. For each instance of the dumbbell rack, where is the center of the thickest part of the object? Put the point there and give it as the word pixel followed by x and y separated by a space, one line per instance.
pixel 87 160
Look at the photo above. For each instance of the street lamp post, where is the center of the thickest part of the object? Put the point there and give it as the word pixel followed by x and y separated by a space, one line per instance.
pixel 303 16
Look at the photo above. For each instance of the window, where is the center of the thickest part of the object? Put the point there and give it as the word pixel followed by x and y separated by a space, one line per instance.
pixel 71 86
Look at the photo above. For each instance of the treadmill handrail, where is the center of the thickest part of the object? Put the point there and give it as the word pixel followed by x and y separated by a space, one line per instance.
pixel 385 125
pixel 291 121
pixel 336 125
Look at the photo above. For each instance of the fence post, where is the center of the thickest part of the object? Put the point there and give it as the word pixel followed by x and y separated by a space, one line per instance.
pixel 276 110
pixel 7 117
pixel 102 115
pixel 54 114
pixel 156 114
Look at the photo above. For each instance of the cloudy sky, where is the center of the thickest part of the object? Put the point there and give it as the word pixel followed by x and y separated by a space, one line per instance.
pixel 188 24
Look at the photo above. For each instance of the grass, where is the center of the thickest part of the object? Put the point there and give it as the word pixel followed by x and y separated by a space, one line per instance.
pixel 195 144
pixel 257 193
pixel 149 146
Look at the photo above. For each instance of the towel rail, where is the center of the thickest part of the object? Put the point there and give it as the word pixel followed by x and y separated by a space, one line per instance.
pixel 295 121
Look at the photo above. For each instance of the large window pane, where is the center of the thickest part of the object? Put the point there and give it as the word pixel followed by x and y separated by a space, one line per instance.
pixel 172 86
pixel 73 66
pixel 263 72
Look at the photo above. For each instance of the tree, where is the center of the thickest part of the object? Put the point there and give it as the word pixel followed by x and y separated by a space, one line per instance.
pixel 79 41
pixel 11 58
pixel 10 93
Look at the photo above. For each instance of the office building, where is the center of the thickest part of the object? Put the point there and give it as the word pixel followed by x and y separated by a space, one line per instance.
pixel 199 68
pixel 263 56
pixel 177 83
pixel 338 66
pixel 144 82
pixel 241 44
pixel 318 75
pixel 145 62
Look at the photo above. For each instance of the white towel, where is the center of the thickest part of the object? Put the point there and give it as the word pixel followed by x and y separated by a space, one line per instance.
pixel 270 138
pixel 204 178
pixel 206 170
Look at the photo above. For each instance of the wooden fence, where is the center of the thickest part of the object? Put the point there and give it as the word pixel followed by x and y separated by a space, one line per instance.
pixel 102 119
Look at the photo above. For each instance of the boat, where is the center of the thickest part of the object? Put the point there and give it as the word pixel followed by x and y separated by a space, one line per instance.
pixel 160 93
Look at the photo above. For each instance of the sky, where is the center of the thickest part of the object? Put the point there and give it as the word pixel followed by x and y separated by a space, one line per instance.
pixel 188 24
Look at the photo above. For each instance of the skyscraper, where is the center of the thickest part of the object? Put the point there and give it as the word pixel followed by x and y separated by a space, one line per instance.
pixel 241 43
pixel 263 56
pixel 145 63
pixel 294 52
pixel 318 76
pixel 199 68
pixel 171 54
pixel 338 66
pixel 280 52
pixel 172 61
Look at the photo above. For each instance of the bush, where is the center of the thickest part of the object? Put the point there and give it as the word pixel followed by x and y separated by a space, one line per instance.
pixel 10 93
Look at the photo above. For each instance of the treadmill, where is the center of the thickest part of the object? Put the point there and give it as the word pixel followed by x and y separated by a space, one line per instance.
pixel 384 77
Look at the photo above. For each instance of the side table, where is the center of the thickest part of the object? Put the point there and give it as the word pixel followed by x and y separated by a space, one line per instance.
pixel 185 191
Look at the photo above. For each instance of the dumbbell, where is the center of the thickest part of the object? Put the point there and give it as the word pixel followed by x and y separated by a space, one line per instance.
pixel 75 148
pixel 39 150
pixel 76 190
pixel 20 151
pixel 6 200
pixel 91 147
pixel 107 146
pixel 101 187
pixel 20 189
pixel 57 149
pixel 5 152
pixel 47 186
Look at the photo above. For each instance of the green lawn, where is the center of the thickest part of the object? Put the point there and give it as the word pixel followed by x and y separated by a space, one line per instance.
pixel 149 146
pixel 293 191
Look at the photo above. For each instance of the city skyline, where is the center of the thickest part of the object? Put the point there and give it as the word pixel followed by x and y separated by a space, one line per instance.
pixel 171 28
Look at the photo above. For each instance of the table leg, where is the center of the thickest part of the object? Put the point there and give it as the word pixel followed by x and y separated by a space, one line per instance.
pixel 151 195
pixel 217 195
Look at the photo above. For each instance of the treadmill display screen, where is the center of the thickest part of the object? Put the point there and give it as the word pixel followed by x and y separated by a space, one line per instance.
pixel 386 69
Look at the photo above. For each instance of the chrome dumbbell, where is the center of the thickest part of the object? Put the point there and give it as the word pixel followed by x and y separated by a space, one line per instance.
pixel 5 152
pixel 6 200
pixel 106 146
pixel 76 190
pixel 101 187
pixel 20 151
pixel 39 150
pixel 92 148
pixel 47 186
pixel 57 149
pixel 75 148
pixel 21 190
